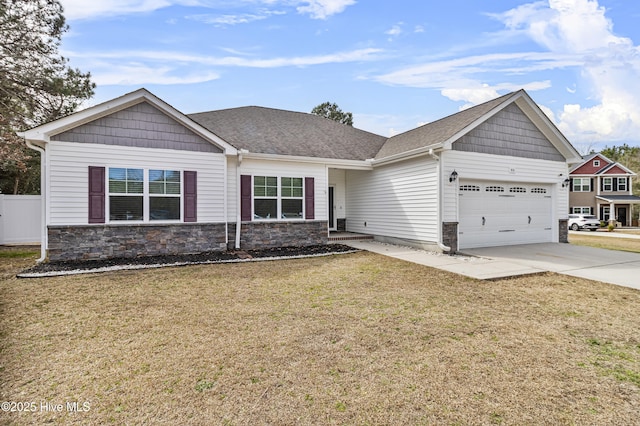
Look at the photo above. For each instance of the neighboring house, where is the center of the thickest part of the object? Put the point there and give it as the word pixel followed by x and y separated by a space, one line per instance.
pixel 603 188
pixel 133 176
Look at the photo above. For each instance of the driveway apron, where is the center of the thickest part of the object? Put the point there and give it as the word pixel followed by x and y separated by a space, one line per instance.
pixel 609 266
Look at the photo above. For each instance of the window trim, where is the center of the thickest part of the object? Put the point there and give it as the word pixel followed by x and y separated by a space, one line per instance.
pixel 596 163
pixel 146 197
pixel 622 183
pixel 607 187
pixel 581 210
pixel 279 199
pixel 575 185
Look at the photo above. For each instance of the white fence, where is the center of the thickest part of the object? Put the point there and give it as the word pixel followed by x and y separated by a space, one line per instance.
pixel 20 219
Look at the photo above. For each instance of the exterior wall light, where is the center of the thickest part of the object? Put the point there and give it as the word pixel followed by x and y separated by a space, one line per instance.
pixel 453 177
pixel 566 182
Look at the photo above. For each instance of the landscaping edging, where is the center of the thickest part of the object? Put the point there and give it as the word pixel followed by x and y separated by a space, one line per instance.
pixel 54 269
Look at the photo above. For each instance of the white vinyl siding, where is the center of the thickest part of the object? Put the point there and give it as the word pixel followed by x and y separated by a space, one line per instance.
pixel 68 163
pixel 292 169
pixel 399 200
pixel 487 167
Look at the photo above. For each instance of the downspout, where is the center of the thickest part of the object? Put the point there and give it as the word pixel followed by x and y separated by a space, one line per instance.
pixel 439 242
pixel 238 199
pixel 44 243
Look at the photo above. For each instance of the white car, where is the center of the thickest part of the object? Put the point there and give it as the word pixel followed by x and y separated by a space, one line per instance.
pixel 583 221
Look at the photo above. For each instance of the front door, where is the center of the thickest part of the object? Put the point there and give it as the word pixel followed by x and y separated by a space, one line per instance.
pixel 332 210
pixel 622 216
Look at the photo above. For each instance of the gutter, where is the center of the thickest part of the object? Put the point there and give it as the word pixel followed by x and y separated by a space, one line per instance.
pixel 239 198
pixel 44 243
pixel 438 167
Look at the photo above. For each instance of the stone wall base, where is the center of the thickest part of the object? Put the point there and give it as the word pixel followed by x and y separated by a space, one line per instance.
pixel 93 242
pixel 257 235
pixel 450 235
pixel 563 227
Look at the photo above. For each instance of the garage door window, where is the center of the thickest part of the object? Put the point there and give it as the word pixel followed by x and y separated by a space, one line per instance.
pixel 518 189
pixel 494 189
pixel 472 188
pixel 538 190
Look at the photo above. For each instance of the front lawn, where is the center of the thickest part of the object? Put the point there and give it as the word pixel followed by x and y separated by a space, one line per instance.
pixel 610 242
pixel 347 339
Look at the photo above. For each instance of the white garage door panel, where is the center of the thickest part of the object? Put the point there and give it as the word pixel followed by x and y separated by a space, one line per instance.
pixel 494 214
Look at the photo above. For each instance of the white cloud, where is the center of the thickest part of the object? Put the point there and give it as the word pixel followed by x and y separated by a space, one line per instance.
pixel 244 18
pixel 395 30
pixel 460 79
pixel 83 9
pixel 136 74
pixel 187 59
pixel 573 35
pixel 150 67
pixel 322 9
pixel 88 9
pixel 609 64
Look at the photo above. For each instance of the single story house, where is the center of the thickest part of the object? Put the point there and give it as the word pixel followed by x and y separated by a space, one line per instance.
pixel 134 176
pixel 603 188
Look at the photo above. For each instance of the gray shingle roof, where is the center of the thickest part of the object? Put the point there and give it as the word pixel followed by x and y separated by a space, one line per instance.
pixel 439 130
pixel 273 131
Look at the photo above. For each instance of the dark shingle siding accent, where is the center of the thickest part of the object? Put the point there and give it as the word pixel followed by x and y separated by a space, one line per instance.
pixel 141 125
pixel 438 131
pixel 509 132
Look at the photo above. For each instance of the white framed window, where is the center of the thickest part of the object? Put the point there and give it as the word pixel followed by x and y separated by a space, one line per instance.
pixel 581 184
pixel 607 184
pixel 126 194
pixel 622 184
pixel 164 195
pixel 581 210
pixel 276 197
pixel 606 213
pixel 596 163
pixel 143 195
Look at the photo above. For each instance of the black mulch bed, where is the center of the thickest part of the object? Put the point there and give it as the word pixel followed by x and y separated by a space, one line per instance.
pixel 61 268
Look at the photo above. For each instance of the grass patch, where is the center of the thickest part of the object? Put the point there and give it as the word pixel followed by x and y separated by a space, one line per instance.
pixel 17 254
pixel 350 339
pixel 609 243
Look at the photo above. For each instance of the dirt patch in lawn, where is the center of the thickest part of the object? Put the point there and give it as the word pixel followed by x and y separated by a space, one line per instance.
pixel 350 339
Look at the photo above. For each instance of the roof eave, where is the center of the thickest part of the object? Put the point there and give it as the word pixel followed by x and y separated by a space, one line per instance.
pixel 44 132
pixel 407 154
pixel 342 163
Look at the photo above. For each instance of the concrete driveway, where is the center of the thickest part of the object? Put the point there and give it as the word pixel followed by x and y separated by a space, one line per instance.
pixel 614 267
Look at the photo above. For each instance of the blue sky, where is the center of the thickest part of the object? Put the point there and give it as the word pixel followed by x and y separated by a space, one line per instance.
pixel 394 65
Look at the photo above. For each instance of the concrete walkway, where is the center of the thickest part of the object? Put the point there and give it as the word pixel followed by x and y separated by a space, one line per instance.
pixel 471 266
pixel 614 267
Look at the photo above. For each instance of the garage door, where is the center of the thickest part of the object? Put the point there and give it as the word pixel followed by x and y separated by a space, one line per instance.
pixel 499 213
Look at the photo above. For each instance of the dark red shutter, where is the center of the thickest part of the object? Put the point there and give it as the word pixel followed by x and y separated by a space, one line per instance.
pixel 96 194
pixel 190 196
pixel 245 197
pixel 309 198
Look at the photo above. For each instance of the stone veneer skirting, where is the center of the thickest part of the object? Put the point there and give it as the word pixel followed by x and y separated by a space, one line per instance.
pixel 450 235
pixel 563 226
pixel 256 235
pixel 92 242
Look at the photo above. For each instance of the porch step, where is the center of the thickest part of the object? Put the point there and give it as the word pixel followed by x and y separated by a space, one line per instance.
pixel 348 236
